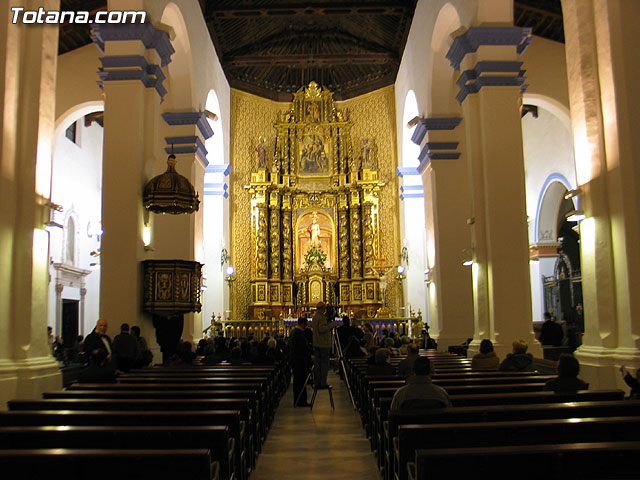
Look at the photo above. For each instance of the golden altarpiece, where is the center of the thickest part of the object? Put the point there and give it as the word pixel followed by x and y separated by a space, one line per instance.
pixel 315 229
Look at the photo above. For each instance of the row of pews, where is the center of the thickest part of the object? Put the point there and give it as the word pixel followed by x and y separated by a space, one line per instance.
pixel 501 423
pixel 164 423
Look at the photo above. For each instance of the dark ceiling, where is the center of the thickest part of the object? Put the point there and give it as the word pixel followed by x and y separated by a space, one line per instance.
pixel 272 47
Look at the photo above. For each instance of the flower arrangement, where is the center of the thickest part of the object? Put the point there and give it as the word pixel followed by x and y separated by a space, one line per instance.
pixel 315 255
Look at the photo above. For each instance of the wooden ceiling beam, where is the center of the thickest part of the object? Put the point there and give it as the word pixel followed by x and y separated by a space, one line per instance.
pixel 322 9
pixel 309 60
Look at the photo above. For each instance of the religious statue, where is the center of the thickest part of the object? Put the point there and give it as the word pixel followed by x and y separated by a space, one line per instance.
pixel 262 153
pixel 314 232
pixel 365 149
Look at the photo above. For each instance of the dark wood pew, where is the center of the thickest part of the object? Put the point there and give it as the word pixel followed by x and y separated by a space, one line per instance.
pixel 565 406
pixel 229 418
pixel 216 439
pixel 572 460
pixel 252 394
pixel 76 464
pixel 460 396
pixel 147 405
pixel 527 432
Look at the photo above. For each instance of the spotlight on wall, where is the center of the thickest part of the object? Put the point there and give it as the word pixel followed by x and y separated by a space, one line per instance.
pixel 573 193
pixel 467 260
pixel 211 116
pixel 427 276
pixel 413 122
pixel 402 272
pixel 575 216
pixel 230 274
pixel 146 236
pixel 50 226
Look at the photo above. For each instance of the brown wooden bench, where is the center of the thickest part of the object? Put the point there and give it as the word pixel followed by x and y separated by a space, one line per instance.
pixel 230 418
pixel 502 413
pixel 211 404
pixel 77 464
pixel 574 460
pixel 523 432
pixel 216 439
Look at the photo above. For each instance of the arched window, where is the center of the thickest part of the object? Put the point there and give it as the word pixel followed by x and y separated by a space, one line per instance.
pixel 70 242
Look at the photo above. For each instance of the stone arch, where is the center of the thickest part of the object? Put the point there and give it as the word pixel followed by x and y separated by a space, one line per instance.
pixel 551 196
pixel 180 78
pixel 443 84
pixel 72 115
pixel 410 150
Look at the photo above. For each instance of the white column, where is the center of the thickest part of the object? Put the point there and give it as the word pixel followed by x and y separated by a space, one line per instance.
pixel 28 55
pixel 602 70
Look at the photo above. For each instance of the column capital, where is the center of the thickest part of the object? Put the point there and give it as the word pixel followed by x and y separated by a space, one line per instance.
pixel 472 39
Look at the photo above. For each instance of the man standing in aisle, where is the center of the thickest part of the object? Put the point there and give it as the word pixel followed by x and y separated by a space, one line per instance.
pixel 321 345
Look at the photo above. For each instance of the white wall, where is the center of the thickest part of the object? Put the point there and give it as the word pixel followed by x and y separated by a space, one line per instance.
pixel 77 187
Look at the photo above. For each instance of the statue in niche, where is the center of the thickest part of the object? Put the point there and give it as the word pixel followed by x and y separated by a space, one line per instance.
pixel 314 232
pixel 262 153
pixel 366 155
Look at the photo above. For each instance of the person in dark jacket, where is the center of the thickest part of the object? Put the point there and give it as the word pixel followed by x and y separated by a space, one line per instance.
pixel 98 339
pixel 633 382
pixel 300 355
pixel 519 360
pixel 383 363
pixel 124 349
pixel 567 380
pixel 100 370
pixel 551 332
pixel 405 367
pixel 486 359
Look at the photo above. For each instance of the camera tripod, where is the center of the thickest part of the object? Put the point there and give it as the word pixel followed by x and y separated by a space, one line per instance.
pixel 315 391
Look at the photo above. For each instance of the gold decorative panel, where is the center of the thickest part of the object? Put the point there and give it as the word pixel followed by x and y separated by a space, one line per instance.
pixel 303 172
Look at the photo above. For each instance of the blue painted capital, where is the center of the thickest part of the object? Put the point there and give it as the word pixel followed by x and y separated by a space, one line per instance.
pixel 520 37
pixel 145 32
pixel 190 118
pixel 427 124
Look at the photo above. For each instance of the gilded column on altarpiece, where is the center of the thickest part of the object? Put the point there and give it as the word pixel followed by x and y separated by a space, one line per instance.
pixel 262 252
pixel 367 238
pixel 274 236
pixel 343 237
pixel 287 239
pixel 356 235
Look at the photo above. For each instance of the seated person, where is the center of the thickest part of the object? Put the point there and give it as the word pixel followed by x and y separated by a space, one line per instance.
pixel 404 344
pixel 210 357
pixel 519 360
pixel 383 363
pixel 634 383
pixel 405 367
pixel 389 344
pixel 262 358
pixel 567 379
pixel 486 359
pixel 100 369
pixel 420 392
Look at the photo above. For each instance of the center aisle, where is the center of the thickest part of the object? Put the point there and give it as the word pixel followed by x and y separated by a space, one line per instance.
pixel 317 444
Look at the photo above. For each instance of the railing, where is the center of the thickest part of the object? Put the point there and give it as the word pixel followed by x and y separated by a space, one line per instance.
pixel 258 329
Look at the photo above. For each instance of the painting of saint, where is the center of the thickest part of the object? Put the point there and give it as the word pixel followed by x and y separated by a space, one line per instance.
pixel 313 113
pixel 313 158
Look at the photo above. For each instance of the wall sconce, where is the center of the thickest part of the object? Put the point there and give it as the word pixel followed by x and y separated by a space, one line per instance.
pixel 230 274
pixel 146 237
pixel 413 122
pixel 427 276
pixel 468 257
pixel 573 193
pixel 51 225
pixel 95 253
pixel 402 272
pixel 575 216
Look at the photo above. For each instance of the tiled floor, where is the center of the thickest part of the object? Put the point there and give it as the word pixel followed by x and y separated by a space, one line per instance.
pixel 320 443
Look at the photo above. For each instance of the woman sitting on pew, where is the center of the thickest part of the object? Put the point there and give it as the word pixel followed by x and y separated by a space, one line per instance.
pixel 567 380
pixel 383 363
pixel 486 360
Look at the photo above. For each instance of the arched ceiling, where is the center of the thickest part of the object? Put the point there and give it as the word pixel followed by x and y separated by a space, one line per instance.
pixel 272 47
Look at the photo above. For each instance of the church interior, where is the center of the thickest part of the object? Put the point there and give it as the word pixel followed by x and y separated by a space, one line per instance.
pixel 452 169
